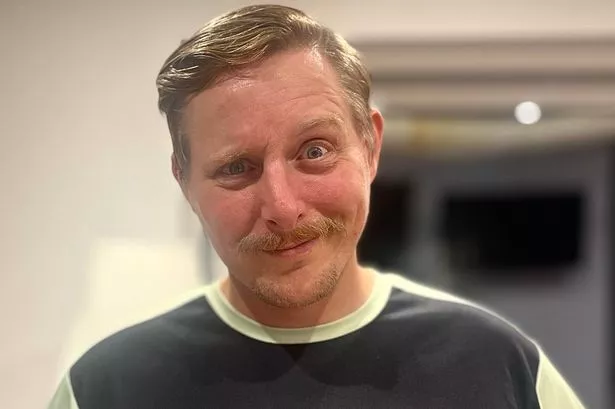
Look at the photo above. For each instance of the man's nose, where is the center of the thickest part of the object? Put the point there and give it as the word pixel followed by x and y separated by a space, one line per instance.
pixel 281 208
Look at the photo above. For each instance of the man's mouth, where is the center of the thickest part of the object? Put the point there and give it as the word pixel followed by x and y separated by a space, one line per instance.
pixel 292 245
pixel 294 249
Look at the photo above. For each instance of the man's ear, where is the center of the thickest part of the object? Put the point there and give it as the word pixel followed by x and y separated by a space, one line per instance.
pixel 180 176
pixel 377 132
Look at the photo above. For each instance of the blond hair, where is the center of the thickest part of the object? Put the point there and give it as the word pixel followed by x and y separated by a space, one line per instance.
pixel 245 37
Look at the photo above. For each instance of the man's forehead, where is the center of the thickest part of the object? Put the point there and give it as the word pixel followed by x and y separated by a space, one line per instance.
pixel 241 105
pixel 265 99
pixel 280 70
pixel 286 126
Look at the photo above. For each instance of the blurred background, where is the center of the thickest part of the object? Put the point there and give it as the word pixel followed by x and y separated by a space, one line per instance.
pixel 495 182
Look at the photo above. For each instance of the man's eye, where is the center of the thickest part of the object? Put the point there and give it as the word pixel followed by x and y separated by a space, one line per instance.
pixel 235 168
pixel 315 152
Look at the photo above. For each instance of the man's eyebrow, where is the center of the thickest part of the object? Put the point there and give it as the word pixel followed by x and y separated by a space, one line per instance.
pixel 329 121
pixel 223 158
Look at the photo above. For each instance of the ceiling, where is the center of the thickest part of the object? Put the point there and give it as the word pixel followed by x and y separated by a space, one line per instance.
pixel 446 96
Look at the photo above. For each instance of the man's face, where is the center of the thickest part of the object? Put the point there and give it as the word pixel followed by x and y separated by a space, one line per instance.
pixel 280 178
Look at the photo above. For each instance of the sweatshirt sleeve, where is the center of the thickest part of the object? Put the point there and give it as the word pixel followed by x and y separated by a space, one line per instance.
pixel 552 389
pixel 64 397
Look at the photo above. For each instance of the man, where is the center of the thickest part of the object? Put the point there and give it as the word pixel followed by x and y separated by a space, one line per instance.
pixel 275 147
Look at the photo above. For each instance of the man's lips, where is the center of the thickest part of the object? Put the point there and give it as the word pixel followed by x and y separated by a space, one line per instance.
pixel 294 249
pixel 292 246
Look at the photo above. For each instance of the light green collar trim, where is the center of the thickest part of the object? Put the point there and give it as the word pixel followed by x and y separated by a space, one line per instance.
pixel 350 323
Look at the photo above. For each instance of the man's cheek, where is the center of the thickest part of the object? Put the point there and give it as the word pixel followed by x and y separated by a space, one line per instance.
pixel 229 223
pixel 341 195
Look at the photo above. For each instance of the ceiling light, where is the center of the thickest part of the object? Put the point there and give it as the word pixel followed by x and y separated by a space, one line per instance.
pixel 528 113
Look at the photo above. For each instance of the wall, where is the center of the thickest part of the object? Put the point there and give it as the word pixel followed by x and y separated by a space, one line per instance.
pixel 84 152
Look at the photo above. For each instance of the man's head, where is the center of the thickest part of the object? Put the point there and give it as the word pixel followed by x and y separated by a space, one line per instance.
pixel 275 145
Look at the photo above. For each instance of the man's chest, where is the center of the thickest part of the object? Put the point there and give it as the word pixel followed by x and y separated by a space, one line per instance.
pixel 370 376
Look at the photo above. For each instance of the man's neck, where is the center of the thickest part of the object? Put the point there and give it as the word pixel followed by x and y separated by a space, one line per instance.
pixel 351 292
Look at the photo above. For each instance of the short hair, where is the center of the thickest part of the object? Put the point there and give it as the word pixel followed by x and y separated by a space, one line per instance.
pixel 245 37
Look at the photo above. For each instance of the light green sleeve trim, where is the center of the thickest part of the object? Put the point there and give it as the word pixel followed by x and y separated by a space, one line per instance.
pixel 64 397
pixel 552 389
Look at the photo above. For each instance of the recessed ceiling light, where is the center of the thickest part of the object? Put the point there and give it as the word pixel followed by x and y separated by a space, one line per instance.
pixel 528 113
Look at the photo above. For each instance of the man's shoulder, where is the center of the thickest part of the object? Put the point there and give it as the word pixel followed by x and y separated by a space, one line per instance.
pixel 461 324
pixel 424 300
pixel 459 339
pixel 137 344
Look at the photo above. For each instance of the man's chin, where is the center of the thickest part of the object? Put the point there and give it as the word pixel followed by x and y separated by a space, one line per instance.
pixel 296 288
